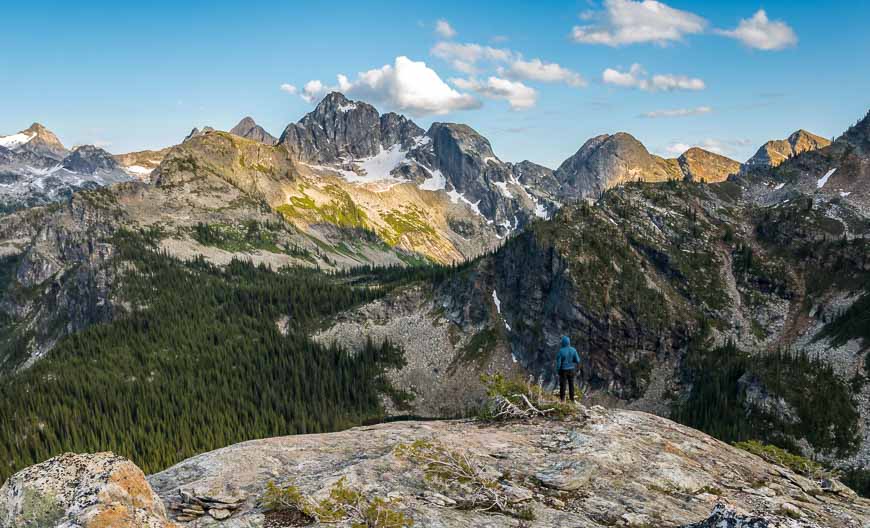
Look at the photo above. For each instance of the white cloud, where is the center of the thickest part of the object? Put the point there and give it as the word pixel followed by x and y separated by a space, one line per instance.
pixel 630 22
pixel 678 112
pixel 289 88
pixel 711 145
pixel 464 57
pixel 761 33
pixel 406 85
pixel 518 95
pixel 723 147
pixel 444 29
pixel 637 77
pixel 537 70
pixel 313 90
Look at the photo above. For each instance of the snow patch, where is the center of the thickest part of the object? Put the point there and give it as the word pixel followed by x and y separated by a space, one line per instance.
pixel 347 108
pixel 15 140
pixel 845 193
pixel 778 187
pixel 456 197
pixel 421 141
pixel 379 166
pixel 374 169
pixel 138 169
pixel 497 302
pixel 824 179
pixel 503 187
pixel 492 159
pixel 436 182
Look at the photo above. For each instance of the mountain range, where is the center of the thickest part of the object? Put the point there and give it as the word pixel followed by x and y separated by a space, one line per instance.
pixel 731 297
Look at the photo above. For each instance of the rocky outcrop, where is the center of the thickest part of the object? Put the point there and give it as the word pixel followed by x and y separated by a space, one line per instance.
pixel 776 151
pixel 600 468
pixel 609 160
pixel 249 129
pixel 700 165
pixel 89 159
pixel 88 491
pixel 339 128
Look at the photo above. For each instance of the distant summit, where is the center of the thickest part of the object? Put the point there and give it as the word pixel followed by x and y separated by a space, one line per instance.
pixel 775 152
pixel 699 165
pixel 609 160
pixel 248 128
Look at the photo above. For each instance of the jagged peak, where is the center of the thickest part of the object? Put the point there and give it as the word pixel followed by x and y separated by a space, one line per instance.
pixel 246 122
pixel 337 102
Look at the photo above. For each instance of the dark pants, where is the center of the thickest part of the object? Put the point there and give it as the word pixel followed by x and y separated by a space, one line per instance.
pixel 566 377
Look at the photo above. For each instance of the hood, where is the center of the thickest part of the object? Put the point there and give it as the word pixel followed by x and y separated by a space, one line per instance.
pixel 566 341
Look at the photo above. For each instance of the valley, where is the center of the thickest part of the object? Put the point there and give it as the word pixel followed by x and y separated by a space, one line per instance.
pixel 358 269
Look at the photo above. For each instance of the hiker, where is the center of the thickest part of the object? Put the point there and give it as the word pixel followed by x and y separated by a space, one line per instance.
pixel 567 362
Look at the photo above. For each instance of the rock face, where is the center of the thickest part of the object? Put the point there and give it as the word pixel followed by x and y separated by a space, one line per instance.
pixel 775 152
pixel 339 128
pixel 700 165
pixel 88 491
pixel 609 468
pixel 248 128
pixel 609 160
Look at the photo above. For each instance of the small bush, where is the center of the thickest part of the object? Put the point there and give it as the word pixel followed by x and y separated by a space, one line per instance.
pixel 343 504
pixel 462 477
pixel 781 457
pixel 514 398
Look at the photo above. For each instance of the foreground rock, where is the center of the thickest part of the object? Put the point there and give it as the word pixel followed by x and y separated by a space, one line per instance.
pixel 82 491
pixel 614 468
pixel 605 468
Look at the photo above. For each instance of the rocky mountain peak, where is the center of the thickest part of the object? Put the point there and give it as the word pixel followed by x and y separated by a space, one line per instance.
pixel 198 132
pixel 698 164
pixel 88 159
pixel 462 137
pixel 858 135
pixel 340 129
pixel 608 160
pixel 248 128
pixel 775 152
pixel 43 142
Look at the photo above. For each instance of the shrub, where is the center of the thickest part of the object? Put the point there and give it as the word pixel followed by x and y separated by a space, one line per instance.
pixel 460 475
pixel 514 398
pixel 781 457
pixel 343 504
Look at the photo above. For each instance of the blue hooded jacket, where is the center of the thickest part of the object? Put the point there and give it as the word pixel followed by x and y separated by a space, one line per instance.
pixel 567 358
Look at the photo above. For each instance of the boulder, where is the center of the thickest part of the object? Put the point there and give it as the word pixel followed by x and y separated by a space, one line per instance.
pixel 101 490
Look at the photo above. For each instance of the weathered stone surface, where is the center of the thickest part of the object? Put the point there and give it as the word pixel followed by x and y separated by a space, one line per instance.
pixel 630 468
pixel 81 491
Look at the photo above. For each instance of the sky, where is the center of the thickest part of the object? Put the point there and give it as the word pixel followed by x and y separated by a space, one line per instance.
pixel 536 78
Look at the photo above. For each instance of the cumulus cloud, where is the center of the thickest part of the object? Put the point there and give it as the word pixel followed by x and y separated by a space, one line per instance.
pixel 289 88
pixel 719 146
pixel 630 22
pixel 444 29
pixel 637 77
pixel 537 70
pixel 465 57
pixel 313 90
pixel 678 112
pixel 518 95
pixel 761 33
pixel 406 85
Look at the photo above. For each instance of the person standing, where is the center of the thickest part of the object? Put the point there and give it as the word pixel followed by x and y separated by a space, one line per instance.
pixel 567 361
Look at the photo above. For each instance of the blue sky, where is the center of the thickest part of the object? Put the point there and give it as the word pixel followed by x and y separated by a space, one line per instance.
pixel 135 75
